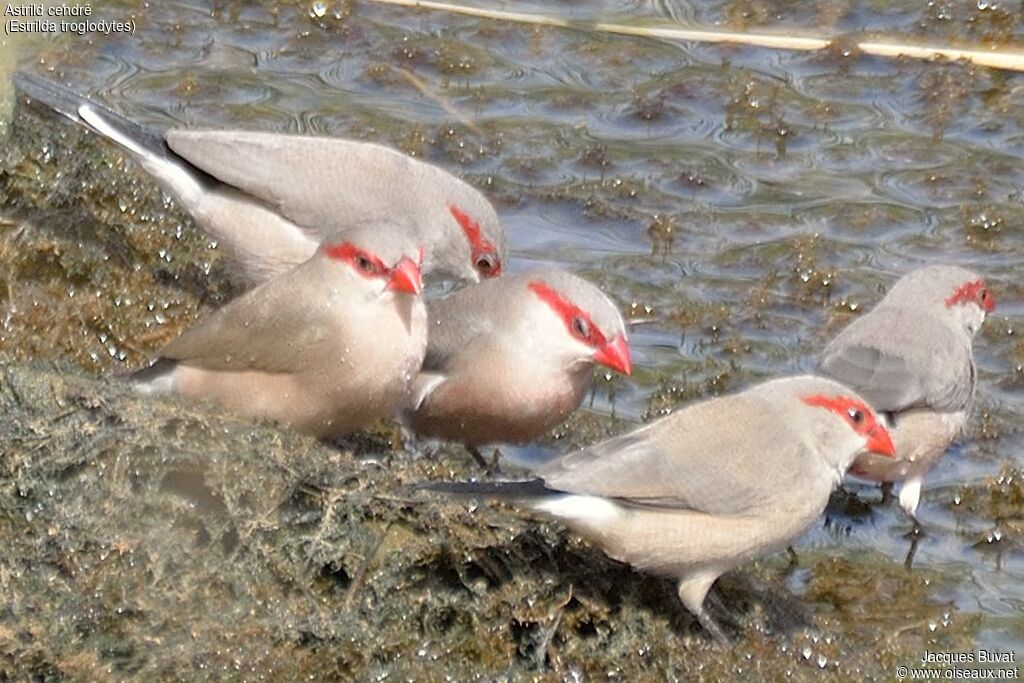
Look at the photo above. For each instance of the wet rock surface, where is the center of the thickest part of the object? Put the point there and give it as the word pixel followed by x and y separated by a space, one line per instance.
pixel 157 539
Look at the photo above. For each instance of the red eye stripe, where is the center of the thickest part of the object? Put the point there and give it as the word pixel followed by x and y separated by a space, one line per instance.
pixel 351 254
pixel 973 292
pixel 845 407
pixel 569 312
pixel 861 420
pixel 479 244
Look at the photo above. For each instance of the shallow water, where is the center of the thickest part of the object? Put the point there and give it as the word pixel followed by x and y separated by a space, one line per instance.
pixel 741 202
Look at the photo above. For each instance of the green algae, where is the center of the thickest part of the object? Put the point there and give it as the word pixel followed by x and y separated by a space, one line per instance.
pixel 157 539
pixel 93 254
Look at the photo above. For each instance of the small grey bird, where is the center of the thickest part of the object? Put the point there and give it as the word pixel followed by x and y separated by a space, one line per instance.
pixel 911 358
pixel 327 347
pixel 269 199
pixel 710 487
pixel 509 359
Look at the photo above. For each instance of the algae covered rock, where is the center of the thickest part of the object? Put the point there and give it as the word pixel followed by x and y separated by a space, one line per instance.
pixel 153 538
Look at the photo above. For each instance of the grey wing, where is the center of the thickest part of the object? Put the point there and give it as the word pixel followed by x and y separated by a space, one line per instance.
pixel 464 318
pixel 324 185
pixel 899 360
pixel 718 457
pixel 262 330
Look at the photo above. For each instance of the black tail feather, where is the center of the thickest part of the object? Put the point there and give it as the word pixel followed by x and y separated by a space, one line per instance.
pixel 153 380
pixel 532 488
pixel 66 101
pixel 56 97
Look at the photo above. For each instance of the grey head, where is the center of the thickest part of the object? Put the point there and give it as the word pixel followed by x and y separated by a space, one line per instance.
pixel 384 260
pixel 951 293
pixel 547 314
pixel 834 421
pixel 474 247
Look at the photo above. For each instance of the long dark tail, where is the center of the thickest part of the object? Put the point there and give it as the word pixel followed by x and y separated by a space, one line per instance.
pixel 532 488
pixel 153 380
pixel 65 101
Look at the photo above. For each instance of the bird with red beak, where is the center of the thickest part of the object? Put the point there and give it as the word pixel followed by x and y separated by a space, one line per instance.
pixel 710 487
pixel 911 357
pixel 509 359
pixel 270 199
pixel 327 347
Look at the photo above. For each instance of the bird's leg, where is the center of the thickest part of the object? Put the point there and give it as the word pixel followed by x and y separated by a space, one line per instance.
pixel 915 535
pixel 410 443
pixel 490 467
pixel 692 591
pixel 908 563
pixel 495 468
pixel 475 452
pixel 917 531
pixel 886 487
pixel 910 496
pixel 719 605
pixel 794 559
pixel 712 627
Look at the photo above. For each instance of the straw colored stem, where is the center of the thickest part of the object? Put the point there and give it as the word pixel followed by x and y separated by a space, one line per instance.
pixel 997 59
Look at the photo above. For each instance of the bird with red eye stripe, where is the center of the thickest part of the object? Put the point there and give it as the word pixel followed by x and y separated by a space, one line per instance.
pixel 486 256
pixel 510 358
pixel 708 488
pixel 327 347
pixel 912 358
pixel 270 199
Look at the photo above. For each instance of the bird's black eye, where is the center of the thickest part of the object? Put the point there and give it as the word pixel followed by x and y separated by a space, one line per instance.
pixel 856 416
pixel 580 328
pixel 365 264
pixel 487 263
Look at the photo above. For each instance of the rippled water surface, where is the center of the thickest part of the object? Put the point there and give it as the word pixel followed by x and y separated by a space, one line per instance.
pixel 741 204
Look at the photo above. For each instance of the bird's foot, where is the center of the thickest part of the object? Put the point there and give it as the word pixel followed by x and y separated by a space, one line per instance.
pixel 794 559
pixel 491 468
pixel 480 460
pixel 714 630
pixel 886 493
pixel 494 467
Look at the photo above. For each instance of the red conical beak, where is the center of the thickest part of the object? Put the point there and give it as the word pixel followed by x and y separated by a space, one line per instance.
pixel 879 442
pixel 615 355
pixel 406 277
